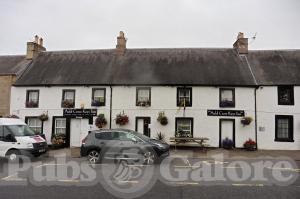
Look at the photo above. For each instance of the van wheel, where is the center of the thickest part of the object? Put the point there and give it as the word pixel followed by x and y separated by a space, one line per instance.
pixel 12 155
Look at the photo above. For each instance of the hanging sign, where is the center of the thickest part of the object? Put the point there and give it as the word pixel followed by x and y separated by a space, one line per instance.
pixel 80 112
pixel 229 113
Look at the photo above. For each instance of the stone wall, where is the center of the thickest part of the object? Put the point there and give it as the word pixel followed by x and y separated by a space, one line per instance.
pixel 5 85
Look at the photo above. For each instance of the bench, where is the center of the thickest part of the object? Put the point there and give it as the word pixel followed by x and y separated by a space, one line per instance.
pixel 182 141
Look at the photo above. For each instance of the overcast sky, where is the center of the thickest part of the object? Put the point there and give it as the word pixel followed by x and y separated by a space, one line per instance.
pixel 94 24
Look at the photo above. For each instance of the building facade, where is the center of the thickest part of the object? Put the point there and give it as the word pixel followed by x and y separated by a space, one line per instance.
pixel 202 93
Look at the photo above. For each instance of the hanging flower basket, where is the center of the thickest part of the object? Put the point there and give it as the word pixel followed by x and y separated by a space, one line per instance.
pixel 246 120
pixel 43 117
pixel 100 121
pixel 250 145
pixel 162 118
pixel 122 119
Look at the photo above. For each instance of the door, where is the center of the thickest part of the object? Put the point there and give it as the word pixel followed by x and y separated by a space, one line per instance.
pixel 142 125
pixel 227 130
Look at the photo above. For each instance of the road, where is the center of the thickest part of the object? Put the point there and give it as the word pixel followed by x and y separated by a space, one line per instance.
pixel 175 177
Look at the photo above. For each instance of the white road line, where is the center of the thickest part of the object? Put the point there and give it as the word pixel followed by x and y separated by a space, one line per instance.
pixel 184 183
pixel 69 181
pixel 11 178
pixel 248 185
pixel 186 166
pixel 128 181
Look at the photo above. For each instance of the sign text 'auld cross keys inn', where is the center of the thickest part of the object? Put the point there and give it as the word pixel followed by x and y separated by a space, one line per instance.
pixel 84 113
pixel 229 113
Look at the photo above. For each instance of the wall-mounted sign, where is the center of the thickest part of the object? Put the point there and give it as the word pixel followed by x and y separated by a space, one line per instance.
pixel 229 113
pixel 80 113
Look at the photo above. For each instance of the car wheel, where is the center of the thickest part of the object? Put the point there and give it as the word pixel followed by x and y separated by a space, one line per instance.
pixel 12 155
pixel 149 158
pixel 94 156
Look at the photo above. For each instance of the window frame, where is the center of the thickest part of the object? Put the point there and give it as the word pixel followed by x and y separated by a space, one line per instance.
pixel 182 118
pixel 54 125
pixel 27 98
pixel 93 95
pixel 137 102
pixel 291 128
pixel 34 117
pixel 292 100
pixel 63 96
pixel 191 96
pixel 233 97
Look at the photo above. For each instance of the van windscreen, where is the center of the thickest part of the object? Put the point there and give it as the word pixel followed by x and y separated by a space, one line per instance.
pixel 20 130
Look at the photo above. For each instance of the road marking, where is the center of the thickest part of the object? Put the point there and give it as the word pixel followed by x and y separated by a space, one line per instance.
pixel 184 183
pixel 11 178
pixel 186 166
pixel 248 185
pixel 128 181
pixel 188 162
pixel 287 169
pixel 69 181
pixel 232 167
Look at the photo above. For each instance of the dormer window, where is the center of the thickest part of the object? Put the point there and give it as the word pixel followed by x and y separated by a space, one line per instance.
pixel 184 97
pixel 68 99
pixel 143 96
pixel 32 99
pixel 227 97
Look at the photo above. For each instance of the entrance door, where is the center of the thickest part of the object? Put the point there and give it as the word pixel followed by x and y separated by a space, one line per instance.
pixel 78 130
pixel 227 130
pixel 142 125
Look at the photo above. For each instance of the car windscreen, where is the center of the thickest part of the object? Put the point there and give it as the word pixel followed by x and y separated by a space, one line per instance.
pixel 19 130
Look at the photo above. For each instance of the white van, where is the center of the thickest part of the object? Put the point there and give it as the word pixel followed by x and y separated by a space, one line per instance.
pixel 16 138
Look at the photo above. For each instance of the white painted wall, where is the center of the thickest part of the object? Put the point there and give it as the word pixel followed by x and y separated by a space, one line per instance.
pixel 162 99
pixel 267 108
pixel 50 101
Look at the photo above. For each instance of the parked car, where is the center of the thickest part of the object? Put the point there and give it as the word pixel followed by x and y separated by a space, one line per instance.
pixel 16 138
pixel 122 144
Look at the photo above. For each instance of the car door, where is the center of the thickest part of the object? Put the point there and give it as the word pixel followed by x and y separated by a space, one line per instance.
pixel 6 140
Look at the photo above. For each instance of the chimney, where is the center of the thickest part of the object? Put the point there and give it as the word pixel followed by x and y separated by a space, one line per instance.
pixel 34 47
pixel 121 44
pixel 241 44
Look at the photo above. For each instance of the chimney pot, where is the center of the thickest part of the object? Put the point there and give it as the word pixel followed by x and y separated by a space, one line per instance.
pixel 36 39
pixel 41 41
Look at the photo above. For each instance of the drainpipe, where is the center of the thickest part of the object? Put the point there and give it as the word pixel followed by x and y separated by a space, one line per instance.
pixel 255 112
pixel 110 108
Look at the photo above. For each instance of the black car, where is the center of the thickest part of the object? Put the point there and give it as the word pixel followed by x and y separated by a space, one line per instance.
pixel 122 144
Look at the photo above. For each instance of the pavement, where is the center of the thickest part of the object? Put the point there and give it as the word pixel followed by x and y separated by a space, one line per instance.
pixel 186 173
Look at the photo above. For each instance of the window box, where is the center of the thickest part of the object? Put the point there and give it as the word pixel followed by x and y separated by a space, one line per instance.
pixel 32 104
pixel 67 104
pixel 143 103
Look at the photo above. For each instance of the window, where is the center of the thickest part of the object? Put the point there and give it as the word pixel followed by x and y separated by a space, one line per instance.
pixel 285 95
pixel 143 96
pixel 184 127
pixel 98 97
pixel 184 97
pixel 104 136
pixel 1 133
pixel 284 128
pixel 35 124
pixel 32 99
pixel 227 97
pixel 60 126
pixel 68 99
